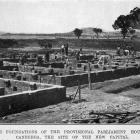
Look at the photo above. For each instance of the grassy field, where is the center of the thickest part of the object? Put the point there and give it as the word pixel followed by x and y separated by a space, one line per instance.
pixel 101 44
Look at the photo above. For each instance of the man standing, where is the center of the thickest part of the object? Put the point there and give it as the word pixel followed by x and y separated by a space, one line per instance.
pixel 62 49
pixel 66 49
pixel 47 56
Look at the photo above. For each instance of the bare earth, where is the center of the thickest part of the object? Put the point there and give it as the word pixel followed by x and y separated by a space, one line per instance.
pixel 119 95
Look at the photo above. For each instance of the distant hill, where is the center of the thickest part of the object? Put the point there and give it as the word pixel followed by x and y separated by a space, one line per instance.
pixel 87 33
pixel 1 33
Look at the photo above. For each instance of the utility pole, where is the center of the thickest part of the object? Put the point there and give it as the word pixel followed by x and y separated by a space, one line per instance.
pixel 89 77
pixel 79 87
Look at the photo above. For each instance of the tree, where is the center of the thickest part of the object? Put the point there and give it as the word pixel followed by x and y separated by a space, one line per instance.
pixel 127 22
pixel 77 32
pixel 135 16
pixel 122 23
pixel 97 31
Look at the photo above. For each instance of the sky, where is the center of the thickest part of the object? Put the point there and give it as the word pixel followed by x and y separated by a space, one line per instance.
pixel 54 16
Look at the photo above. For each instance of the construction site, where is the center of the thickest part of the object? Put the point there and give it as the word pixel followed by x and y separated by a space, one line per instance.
pixel 73 62
pixel 67 85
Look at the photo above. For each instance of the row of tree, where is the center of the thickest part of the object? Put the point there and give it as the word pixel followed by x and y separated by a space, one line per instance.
pixel 127 23
pixel 78 32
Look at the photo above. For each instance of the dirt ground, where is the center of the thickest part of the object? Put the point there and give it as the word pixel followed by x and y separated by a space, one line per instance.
pixel 115 96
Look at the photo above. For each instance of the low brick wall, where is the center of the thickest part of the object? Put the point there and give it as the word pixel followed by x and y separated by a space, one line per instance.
pixel 96 76
pixel 25 76
pixel 2 91
pixel 86 57
pixel 72 80
pixel 10 68
pixel 34 77
pixel 27 68
pixel 27 100
pixel 21 86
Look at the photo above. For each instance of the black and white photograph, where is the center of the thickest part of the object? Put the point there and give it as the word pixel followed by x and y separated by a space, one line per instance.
pixel 70 62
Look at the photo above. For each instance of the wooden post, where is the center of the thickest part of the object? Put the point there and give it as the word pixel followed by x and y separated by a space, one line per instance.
pixel 78 90
pixel 89 78
pixel 40 78
pixel 79 87
pixel 54 79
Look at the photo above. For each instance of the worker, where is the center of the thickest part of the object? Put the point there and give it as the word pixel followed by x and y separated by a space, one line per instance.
pixel 47 56
pixel 66 49
pixel 62 49
pixel 78 55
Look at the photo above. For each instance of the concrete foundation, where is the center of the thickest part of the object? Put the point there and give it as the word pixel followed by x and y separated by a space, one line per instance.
pixel 72 79
pixel 2 90
pixel 31 99
pixel 96 76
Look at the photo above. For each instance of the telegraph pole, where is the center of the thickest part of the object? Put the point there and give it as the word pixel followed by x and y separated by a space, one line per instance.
pixel 89 77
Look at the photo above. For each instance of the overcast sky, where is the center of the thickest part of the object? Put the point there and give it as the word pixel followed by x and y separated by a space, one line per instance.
pixel 51 16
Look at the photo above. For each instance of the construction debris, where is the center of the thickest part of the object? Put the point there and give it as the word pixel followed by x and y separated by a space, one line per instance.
pixel 106 117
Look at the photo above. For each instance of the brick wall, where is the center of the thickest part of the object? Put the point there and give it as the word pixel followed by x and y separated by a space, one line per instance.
pixel 97 76
pixel 21 85
pixel 27 100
